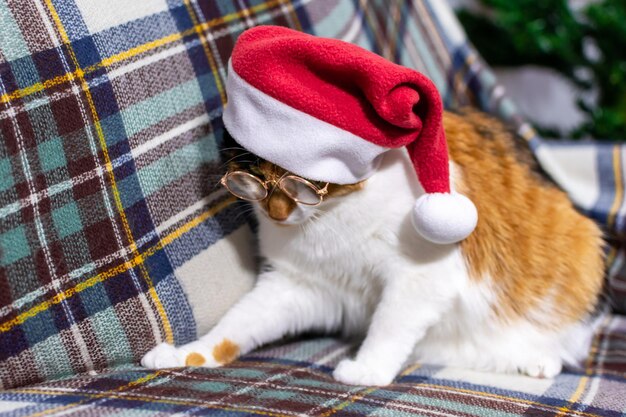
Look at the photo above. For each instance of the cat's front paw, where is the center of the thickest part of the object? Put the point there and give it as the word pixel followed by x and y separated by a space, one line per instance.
pixel 352 372
pixel 197 353
pixel 168 356
pixel 542 368
pixel 163 356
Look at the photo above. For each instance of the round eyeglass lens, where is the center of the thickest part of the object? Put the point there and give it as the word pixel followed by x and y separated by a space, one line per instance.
pixel 300 191
pixel 245 186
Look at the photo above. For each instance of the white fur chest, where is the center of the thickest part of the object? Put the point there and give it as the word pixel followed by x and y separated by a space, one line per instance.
pixel 346 249
pixel 351 239
pixel 332 251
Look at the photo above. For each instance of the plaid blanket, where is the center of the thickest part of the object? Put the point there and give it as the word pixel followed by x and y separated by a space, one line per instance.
pixel 113 236
pixel 294 379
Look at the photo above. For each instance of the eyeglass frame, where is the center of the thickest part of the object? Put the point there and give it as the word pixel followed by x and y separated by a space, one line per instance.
pixel 321 192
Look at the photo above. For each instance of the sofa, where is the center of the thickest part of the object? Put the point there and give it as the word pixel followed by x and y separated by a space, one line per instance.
pixel 116 236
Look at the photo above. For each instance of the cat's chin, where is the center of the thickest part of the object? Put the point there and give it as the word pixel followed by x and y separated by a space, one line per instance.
pixel 288 222
pixel 283 223
pixel 295 219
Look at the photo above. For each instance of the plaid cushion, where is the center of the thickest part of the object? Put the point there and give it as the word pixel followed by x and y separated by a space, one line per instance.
pixel 294 379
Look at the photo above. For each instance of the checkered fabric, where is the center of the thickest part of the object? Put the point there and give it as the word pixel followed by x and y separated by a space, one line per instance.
pixel 295 379
pixel 110 218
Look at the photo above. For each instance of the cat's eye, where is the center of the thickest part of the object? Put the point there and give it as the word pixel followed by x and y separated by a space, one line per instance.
pixel 245 186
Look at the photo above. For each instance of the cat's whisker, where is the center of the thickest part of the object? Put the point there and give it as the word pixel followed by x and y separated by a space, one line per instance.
pixel 315 214
pixel 214 179
pixel 247 161
pixel 241 215
pixel 240 152
pixel 246 210
pixel 306 227
pixel 234 148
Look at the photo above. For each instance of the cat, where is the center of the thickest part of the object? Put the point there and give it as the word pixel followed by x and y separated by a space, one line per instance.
pixel 519 295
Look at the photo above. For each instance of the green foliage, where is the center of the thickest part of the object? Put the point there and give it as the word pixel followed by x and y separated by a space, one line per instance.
pixel 548 33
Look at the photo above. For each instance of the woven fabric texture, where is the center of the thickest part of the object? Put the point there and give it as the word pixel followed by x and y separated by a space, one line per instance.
pixel 109 211
pixel 294 379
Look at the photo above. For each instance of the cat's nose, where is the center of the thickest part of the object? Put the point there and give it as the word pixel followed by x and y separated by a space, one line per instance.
pixel 279 206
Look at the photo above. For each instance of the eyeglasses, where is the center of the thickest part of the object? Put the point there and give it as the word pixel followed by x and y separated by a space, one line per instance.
pixel 248 187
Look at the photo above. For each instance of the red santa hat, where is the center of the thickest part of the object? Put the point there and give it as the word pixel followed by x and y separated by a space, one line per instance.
pixel 328 110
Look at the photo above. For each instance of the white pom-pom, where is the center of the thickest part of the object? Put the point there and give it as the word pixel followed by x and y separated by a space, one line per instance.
pixel 444 218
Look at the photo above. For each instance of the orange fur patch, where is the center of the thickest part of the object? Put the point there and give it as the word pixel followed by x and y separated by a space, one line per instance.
pixel 279 206
pixel 544 258
pixel 194 359
pixel 225 352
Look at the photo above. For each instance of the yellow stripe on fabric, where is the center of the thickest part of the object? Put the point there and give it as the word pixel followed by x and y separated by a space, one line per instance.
pixel 575 396
pixel 619 185
pixel 135 261
pixel 113 59
pixel 582 385
pixel 49 411
pixel 35 88
pixel 167 328
pixel 241 13
pixel 501 397
pixel 354 398
pixel 207 52
pixel 40 86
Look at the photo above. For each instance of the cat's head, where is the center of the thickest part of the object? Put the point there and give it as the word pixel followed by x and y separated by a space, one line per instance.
pixel 282 189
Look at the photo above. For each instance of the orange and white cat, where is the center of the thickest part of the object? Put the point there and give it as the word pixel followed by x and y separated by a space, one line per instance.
pixel 518 295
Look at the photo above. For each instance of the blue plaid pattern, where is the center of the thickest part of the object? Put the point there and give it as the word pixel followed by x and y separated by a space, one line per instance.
pixel 110 126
